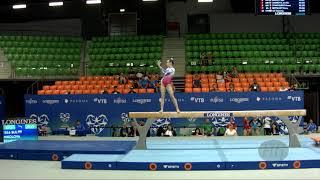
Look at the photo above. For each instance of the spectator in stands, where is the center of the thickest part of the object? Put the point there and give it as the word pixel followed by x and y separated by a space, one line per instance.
pixel 221 131
pixel 231 131
pixel 154 83
pixel 274 129
pixel 124 131
pixel 255 86
pixel 196 82
pixel 234 72
pixel 132 91
pixel 282 89
pixel 256 126
pixel 267 125
pixel 115 90
pixel 231 88
pixel 311 127
pixel 219 77
pixel 161 130
pixel 104 91
pixel 203 59
pixel 210 59
pixel 225 73
pixel 170 131
pixel 144 82
pixel 123 79
pixel 246 126
pixel 197 132
pixel 207 128
pixel 214 88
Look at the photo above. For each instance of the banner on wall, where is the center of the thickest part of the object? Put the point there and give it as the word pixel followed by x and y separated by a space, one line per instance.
pixel 98 111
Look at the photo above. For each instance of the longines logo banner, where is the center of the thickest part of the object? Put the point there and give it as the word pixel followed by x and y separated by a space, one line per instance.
pixel 100 113
pixel 19 121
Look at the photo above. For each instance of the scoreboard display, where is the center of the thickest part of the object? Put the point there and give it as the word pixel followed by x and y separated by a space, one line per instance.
pixel 282 7
pixel 19 129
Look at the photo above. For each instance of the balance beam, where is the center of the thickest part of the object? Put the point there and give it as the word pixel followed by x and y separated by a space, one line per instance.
pixel 208 114
pixel 293 128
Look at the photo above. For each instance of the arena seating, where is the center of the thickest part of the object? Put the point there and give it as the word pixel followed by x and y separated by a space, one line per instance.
pixel 259 52
pixel 42 55
pixel 269 82
pixel 90 85
pixel 111 55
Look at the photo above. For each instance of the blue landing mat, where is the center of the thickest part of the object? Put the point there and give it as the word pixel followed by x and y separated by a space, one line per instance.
pixel 58 150
pixel 226 159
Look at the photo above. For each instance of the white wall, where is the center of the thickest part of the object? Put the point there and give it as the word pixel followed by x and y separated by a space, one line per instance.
pixel 221 20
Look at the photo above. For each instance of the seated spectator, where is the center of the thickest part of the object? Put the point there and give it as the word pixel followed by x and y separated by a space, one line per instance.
pixel 221 131
pixel 214 88
pixel 104 91
pixel 311 127
pixel 219 77
pixel 124 131
pixel 207 128
pixel 197 132
pixel 256 126
pixel 267 125
pixel 43 131
pixel 203 59
pixel 234 72
pixel 115 90
pixel 144 82
pixel 170 131
pixel 210 59
pixel 246 127
pixel 132 91
pixel 196 82
pixel 231 131
pixel 154 83
pixel 123 79
pixel 282 89
pixel 274 129
pixel 135 83
pixel 255 86
pixel 231 88
pixel 225 73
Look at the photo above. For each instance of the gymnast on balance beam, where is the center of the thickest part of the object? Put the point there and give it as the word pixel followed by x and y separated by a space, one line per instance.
pixel 166 84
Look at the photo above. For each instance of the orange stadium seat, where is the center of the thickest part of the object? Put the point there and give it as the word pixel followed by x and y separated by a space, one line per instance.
pixel 204 85
pixel 46 87
pixel 41 92
pixel 237 84
pixel 85 82
pixel 58 83
pixel 188 85
pixel 271 89
pixel 259 79
pixel 285 84
pixel 196 90
pixel 150 90
pixel 75 87
pixel 142 91
pixel 126 91
pixel 239 89
pixel 264 89
pixel 86 91
pixel 67 87
pixel 245 89
pixel 98 87
pixel 188 80
pixel 269 84
pixel 266 79
pixel 48 92
pixel 60 87
pixel 90 87
pixel 250 80
pixel 63 91
pixel 264 75
pixel 274 79
pixel 78 92
pixel 188 90
pixel 272 75
pixel 222 89
pixel 72 83
pixel 235 80
pixel 276 84
pixel 89 78
pixel 222 85
pixel 93 82
pixel 83 78
pixel 262 84
pixel 279 75
pixel 97 78
pixel 256 75
pixel 189 76
pixel 243 80
pixel 78 82
pixel 94 91
pixel 249 75
pixel 245 85
pixel 281 79
pixel 242 75
pixel 205 89
pixel 82 87
pixel 53 87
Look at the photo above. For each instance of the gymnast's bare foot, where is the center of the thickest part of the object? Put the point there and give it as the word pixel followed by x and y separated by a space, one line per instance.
pixel 161 111
pixel 178 110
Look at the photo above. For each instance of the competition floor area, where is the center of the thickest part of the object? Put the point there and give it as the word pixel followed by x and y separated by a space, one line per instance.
pixel 174 149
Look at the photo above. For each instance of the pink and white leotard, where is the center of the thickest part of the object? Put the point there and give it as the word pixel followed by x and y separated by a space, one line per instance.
pixel 168 75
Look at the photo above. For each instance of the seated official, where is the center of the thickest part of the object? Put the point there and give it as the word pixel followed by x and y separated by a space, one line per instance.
pixel 161 130
pixel 79 129
pixel 231 131
pixel 170 131
pixel 274 129
pixel 311 127
pixel 132 91
pixel 124 131
pixel 42 131
pixel 207 128
pixel 221 131
pixel 197 132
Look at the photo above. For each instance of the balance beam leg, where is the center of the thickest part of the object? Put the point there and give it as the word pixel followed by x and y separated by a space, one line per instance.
pixel 293 130
pixel 143 131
